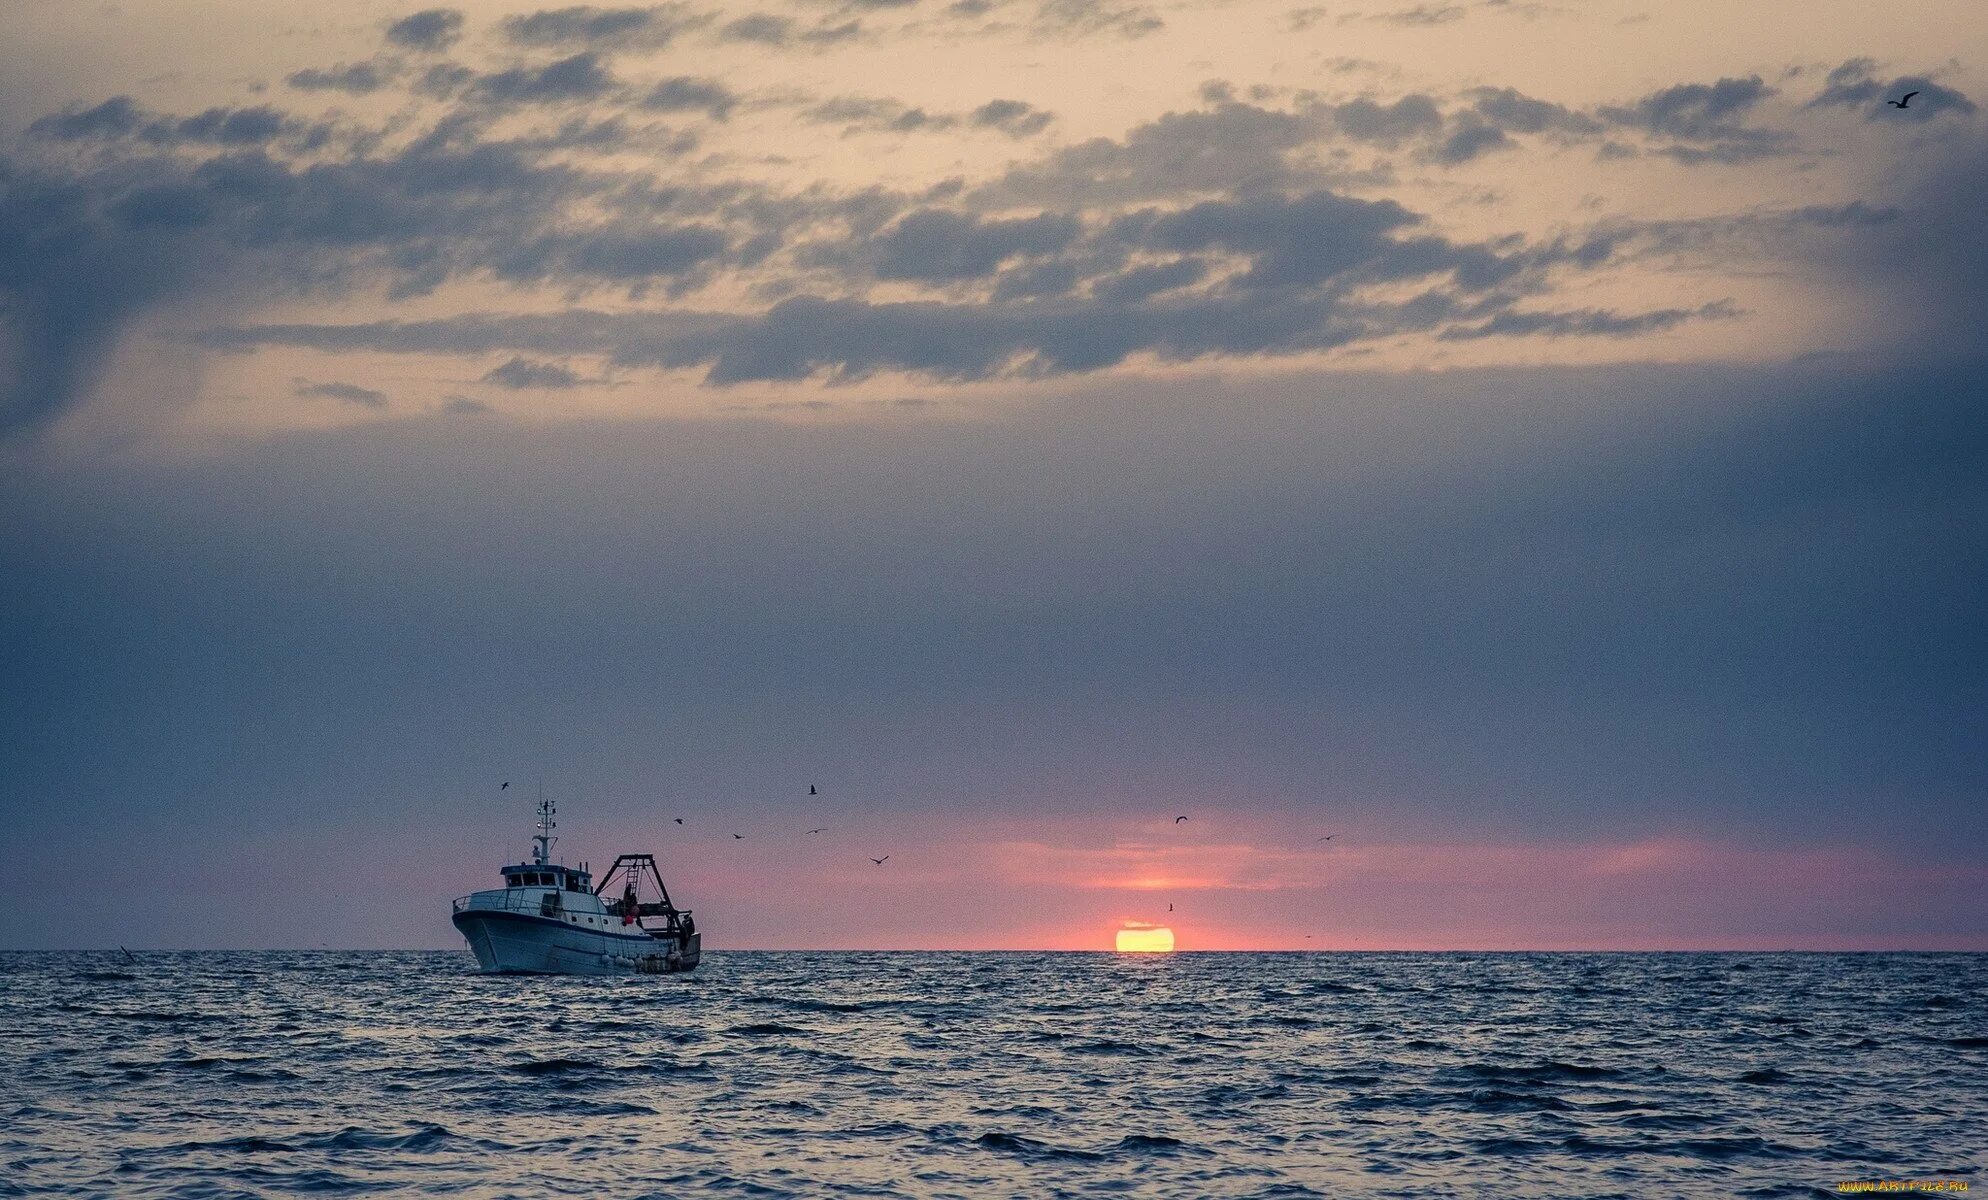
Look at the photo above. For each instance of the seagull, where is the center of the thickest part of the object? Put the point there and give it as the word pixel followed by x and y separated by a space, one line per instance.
pixel 505 784
pixel 1169 908
pixel 739 837
pixel 811 790
pixel 1328 837
pixel 1904 103
pixel 1178 820
pixel 880 861
pixel 679 820
pixel 823 829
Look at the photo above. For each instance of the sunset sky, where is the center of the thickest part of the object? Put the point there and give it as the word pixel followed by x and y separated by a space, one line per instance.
pixel 1541 445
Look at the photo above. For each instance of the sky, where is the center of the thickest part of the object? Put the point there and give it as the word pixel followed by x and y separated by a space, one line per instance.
pixel 1539 445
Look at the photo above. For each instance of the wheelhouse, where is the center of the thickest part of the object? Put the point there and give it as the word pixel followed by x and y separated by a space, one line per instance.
pixel 545 875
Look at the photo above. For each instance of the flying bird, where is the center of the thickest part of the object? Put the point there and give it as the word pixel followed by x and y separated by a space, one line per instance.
pixel 505 784
pixel 739 837
pixel 823 829
pixel 1328 837
pixel 1906 102
pixel 880 861
pixel 1178 820
pixel 679 820
pixel 1169 908
pixel 811 790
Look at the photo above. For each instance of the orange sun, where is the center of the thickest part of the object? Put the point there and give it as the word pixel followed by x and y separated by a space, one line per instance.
pixel 1145 939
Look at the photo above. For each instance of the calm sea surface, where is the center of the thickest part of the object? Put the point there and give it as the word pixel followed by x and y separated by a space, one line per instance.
pixel 994 1075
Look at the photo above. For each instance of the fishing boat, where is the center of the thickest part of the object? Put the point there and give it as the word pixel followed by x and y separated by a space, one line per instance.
pixel 550 919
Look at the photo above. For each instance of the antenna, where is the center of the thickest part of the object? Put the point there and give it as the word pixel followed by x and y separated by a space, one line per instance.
pixel 542 842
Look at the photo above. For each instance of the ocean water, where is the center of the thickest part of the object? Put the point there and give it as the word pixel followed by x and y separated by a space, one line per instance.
pixel 920 1074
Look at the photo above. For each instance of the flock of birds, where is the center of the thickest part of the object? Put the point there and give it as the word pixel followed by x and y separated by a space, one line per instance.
pixel 813 791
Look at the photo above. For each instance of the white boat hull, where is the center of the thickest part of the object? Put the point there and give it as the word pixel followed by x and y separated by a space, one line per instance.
pixel 513 943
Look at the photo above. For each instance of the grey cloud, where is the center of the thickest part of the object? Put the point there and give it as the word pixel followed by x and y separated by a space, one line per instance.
pixel 1586 322
pixel 121 117
pixel 520 374
pixel 1515 112
pixel 357 79
pixel 630 252
pixel 1077 18
pixel 764 28
pixel 1304 241
pixel 1468 141
pixel 431 29
pixel 581 76
pixel 1694 110
pixel 1016 118
pixel 465 406
pixel 1228 147
pixel 118 116
pixel 1422 15
pixel 1705 120
pixel 876 113
pixel 686 93
pixel 1852 85
pixel 768 29
pixel 1141 283
pixel 936 246
pixel 349 393
pixel 585 25
pixel 1389 124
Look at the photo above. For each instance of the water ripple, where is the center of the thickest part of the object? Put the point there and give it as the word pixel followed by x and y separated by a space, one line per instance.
pixel 912 1075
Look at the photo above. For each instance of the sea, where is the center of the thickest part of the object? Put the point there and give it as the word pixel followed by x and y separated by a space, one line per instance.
pixel 994 1074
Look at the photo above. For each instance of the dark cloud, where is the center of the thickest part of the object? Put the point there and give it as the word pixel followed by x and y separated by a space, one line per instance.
pixel 465 406
pixel 1230 229
pixel 121 117
pixel 118 116
pixel 877 114
pixel 880 114
pixel 1141 283
pixel 521 373
pixel 768 29
pixel 1586 322
pixel 1422 15
pixel 603 28
pixel 765 28
pixel 357 79
pixel 686 93
pixel 1217 150
pixel 1080 18
pixel 1516 112
pixel 349 393
pixel 938 246
pixel 1468 141
pixel 431 29
pixel 1704 122
pixel 581 76
pixel 1853 85
pixel 1016 118
pixel 1389 124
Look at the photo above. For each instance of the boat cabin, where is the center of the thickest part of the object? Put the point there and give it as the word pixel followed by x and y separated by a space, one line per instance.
pixel 545 875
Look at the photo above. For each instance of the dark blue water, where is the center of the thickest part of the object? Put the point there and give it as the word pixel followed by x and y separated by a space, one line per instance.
pixel 994 1075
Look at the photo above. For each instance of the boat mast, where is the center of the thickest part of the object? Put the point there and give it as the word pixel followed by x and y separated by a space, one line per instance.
pixel 542 843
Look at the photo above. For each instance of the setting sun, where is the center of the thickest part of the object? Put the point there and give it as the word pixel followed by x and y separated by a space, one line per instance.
pixel 1145 939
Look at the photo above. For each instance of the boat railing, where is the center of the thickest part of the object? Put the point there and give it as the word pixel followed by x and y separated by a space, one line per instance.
pixel 504 900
